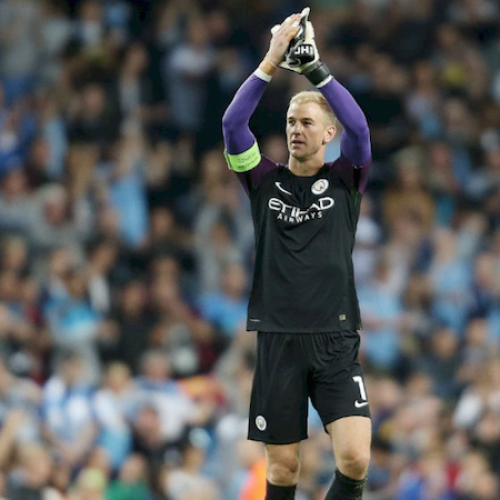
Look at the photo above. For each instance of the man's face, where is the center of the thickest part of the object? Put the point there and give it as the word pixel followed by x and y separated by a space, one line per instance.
pixel 306 130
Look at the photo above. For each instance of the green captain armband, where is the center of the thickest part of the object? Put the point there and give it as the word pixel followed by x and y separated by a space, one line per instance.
pixel 245 161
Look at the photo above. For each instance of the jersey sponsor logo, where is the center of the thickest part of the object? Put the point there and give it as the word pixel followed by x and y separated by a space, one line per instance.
pixel 278 185
pixel 290 213
pixel 320 186
pixel 261 423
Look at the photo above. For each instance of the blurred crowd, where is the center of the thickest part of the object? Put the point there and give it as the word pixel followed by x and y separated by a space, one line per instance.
pixel 126 246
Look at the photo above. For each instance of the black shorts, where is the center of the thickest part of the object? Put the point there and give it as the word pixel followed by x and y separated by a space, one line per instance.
pixel 294 367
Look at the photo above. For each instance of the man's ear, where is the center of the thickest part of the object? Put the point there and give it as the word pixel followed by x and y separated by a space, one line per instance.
pixel 329 134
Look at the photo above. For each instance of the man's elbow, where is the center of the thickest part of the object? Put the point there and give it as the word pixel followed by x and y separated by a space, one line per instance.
pixel 360 135
pixel 227 128
pixel 229 122
pixel 362 132
pixel 232 120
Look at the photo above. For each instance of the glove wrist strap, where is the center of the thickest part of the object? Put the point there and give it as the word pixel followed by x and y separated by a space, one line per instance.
pixel 317 73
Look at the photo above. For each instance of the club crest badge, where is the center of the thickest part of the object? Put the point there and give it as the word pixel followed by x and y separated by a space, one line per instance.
pixel 261 423
pixel 320 186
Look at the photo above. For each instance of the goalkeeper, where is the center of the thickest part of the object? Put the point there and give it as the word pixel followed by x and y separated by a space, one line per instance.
pixel 303 302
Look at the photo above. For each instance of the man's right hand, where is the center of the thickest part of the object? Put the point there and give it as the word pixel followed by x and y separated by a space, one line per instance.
pixel 300 54
pixel 280 41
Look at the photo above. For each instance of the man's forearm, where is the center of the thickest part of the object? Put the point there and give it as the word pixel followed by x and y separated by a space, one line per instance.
pixel 356 137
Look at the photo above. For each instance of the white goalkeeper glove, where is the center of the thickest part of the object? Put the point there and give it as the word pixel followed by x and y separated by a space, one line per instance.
pixel 302 55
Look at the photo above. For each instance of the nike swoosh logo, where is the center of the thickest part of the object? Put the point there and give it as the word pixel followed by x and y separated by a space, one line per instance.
pixel 278 185
pixel 256 320
pixel 360 404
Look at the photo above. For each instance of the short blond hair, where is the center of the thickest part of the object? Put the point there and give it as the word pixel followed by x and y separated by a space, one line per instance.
pixel 314 96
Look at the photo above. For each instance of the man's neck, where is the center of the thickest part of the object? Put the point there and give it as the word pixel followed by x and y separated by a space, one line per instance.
pixel 306 168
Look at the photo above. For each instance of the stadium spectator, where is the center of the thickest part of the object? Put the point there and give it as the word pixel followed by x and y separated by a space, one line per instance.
pixel 112 406
pixel 30 476
pixel 67 418
pixel 131 481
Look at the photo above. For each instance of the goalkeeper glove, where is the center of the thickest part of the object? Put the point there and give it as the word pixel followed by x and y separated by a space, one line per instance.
pixel 302 55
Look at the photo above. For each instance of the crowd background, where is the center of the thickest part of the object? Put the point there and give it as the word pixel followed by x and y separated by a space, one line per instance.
pixel 126 246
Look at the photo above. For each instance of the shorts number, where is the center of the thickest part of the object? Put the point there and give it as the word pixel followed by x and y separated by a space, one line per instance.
pixel 362 391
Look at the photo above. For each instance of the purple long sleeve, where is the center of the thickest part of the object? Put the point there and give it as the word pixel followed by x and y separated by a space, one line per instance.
pixel 237 135
pixel 235 129
pixel 355 142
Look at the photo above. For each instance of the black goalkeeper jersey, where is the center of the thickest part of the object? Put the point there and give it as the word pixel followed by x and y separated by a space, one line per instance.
pixel 304 237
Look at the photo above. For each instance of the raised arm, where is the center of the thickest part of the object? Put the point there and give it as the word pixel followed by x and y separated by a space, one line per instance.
pixel 355 142
pixel 238 138
pixel 241 149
